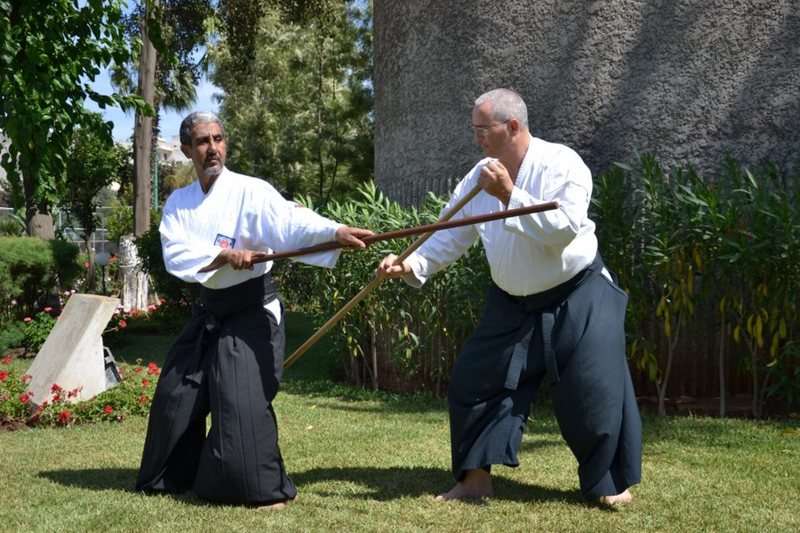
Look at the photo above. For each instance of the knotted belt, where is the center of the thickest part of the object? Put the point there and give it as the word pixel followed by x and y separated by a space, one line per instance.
pixel 540 310
pixel 215 307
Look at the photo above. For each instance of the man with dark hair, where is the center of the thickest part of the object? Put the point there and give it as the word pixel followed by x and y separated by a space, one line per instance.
pixel 229 359
pixel 552 310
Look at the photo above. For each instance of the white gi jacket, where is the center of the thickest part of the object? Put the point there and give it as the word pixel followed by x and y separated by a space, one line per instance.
pixel 531 253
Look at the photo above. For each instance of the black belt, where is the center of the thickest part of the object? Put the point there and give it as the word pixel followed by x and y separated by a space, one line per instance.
pixel 541 308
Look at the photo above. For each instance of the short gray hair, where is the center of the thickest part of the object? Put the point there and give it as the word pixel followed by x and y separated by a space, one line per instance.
pixel 506 104
pixel 198 117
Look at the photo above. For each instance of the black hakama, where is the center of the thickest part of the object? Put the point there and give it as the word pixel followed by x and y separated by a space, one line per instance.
pixel 574 335
pixel 227 361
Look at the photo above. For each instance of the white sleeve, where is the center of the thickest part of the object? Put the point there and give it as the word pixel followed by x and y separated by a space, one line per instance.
pixel 570 184
pixel 183 257
pixel 445 246
pixel 288 226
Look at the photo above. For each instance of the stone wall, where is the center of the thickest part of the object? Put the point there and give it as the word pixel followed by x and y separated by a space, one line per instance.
pixel 688 81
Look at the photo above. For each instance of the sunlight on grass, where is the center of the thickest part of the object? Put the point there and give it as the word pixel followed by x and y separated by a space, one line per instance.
pixel 373 462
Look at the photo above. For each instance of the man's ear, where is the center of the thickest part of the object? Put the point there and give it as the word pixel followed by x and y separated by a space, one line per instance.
pixel 514 125
pixel 187 150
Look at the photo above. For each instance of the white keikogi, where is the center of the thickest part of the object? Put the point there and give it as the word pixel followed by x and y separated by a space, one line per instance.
pixel 239 212
pixel 530 253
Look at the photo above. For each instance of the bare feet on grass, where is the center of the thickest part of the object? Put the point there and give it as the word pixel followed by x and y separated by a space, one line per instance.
pixel 274 506
pixel 476 485
pixel 617 499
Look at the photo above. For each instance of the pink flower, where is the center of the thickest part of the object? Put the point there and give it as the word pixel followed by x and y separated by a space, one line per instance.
pixel 6 360
pixel 56 388
pixel 108 409
pixel 48 309
pixel 151 307
pixel 3 375
pixel 74 393
pixel 26 378
pixel 27 319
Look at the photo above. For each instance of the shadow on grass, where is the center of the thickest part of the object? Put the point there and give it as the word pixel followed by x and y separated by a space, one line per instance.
pixel 381 484
pixel 384 484
pixel 94 478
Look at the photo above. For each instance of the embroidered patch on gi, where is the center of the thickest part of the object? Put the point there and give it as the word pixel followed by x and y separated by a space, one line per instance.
pixel 224 242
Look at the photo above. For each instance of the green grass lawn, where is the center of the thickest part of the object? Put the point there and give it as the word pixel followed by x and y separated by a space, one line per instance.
pixel 372 462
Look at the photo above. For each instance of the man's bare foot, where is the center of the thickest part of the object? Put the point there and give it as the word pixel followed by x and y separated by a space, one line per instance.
pixel 617 499
pixel 274 506
pixel 476 485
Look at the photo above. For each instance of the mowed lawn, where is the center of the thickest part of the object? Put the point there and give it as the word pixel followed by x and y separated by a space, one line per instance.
pixel 373 462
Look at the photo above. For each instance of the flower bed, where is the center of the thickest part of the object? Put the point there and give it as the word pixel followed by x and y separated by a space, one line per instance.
pixel 18 408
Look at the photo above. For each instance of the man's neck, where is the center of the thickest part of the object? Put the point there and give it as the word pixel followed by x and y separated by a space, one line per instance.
pixel 206 182
pixel 516 154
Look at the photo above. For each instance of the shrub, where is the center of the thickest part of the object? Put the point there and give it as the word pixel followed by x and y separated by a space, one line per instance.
pixel 32 268
pixel 11 335
pixel 36 330
pixel 174 290
pixel 399 337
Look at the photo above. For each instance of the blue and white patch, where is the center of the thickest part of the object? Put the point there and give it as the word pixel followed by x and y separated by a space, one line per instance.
pixel 223 241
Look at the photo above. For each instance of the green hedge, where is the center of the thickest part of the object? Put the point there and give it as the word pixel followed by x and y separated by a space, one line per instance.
pixel 30 269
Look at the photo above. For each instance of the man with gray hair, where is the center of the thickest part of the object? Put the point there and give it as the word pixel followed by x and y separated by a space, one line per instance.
pixel 552 311
pixel 229 358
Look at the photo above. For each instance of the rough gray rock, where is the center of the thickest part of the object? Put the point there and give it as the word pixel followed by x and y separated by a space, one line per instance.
pixel 688 81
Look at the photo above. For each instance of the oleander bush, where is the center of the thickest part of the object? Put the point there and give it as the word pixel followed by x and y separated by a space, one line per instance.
pixel 399 337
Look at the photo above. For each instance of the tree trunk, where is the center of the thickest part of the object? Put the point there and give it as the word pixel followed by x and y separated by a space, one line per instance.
pixel 143 134
pixel 89 286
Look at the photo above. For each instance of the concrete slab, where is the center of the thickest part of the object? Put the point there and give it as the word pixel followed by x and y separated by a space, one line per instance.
pixel 72 356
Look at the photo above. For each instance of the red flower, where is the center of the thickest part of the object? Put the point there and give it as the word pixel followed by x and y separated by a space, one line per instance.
pixel 56 388
pixel 143 399
pixel 6 360
pixel 26 378
pixel 108 409
pixel 138 369
pixel 64 417
pixel 153 369
pixel 27 319
pixel 74 392
pixel 123 324
pixel 25 397
pixel 145 382
pixel 3 375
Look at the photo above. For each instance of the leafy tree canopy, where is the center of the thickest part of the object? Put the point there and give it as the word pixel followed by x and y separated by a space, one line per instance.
pixel 50 53
pixel 299 111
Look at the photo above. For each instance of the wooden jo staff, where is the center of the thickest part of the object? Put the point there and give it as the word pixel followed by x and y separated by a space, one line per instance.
pixel 430 229
pixel 427 229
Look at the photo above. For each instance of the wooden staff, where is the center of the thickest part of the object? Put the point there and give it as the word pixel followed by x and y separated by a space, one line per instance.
pixel 378 279
pixel 260 257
